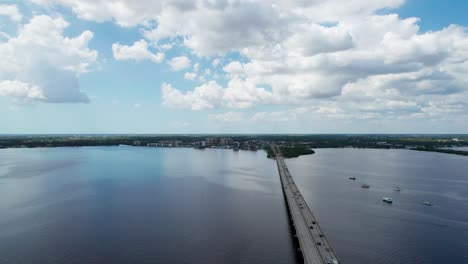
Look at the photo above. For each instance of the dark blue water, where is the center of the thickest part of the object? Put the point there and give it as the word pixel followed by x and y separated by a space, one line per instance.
pixel 141 205
pixel 363 229
pixel 150 205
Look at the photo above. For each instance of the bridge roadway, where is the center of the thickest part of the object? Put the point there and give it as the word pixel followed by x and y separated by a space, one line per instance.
pixel 314 246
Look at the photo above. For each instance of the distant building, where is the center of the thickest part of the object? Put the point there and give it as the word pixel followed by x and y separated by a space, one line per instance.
pixel 212 141
pixel 136 143
pixel 226 141
pixel 199 144
pixel 165 143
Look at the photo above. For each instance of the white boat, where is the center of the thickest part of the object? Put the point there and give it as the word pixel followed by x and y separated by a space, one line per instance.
pixel 426 203
pixel 397 189
pixel 387 199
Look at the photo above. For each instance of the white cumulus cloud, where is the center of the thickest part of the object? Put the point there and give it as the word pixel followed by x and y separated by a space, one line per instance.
pixel 125 13
pixel 11 11
pixel 41 63
pixel 180 63
pixel 20 89
pixel 190 76
pixel 345 58
pixel 206 96
pixel 237 94
pixel 138 52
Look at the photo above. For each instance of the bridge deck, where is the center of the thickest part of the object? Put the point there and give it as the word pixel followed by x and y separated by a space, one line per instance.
pixel 314 245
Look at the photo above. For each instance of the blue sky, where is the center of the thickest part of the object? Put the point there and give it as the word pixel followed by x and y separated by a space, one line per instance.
pixel 181 66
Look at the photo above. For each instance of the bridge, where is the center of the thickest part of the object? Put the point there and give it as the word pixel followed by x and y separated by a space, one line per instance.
pixel 314 246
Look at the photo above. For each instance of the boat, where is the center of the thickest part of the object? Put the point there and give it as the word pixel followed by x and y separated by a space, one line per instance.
pixel 352 178
pixel 365 186
pixel 397 189
pixel 426 203
pixel 387 199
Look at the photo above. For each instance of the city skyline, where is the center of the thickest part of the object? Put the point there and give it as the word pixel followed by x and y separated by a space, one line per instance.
pixel 390 66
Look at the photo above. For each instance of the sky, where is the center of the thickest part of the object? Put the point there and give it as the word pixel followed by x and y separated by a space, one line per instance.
pixel 233 66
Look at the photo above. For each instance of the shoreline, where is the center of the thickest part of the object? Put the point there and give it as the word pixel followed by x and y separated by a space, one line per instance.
pixel 292 155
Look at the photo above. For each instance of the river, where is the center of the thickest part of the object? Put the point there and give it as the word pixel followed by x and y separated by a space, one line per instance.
pixel 156 205
pixel 363 229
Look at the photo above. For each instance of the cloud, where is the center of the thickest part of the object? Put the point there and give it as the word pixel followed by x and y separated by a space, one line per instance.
pixel 312 39
pixel 11 11
pixel 40 63
pixel 20 89
pixel 125 13
pixel 277 116
pixel 237 94
pixel 196 66
pixel 206 96
pixel 132 13
pixel 345 58
pixel 138 52
pixel 244 94
pixel 229 117
pixel 210 27
pixel 190 76
pixel 179 63
pixel 383 56
pixel 215 62
pixel 264 116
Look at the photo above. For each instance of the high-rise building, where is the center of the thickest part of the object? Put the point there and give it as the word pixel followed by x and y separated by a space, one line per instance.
pixel 226 141
pixel 212 141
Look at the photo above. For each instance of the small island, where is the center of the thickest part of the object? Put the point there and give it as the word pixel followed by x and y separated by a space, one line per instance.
pixel 291 151
pixel 442 150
